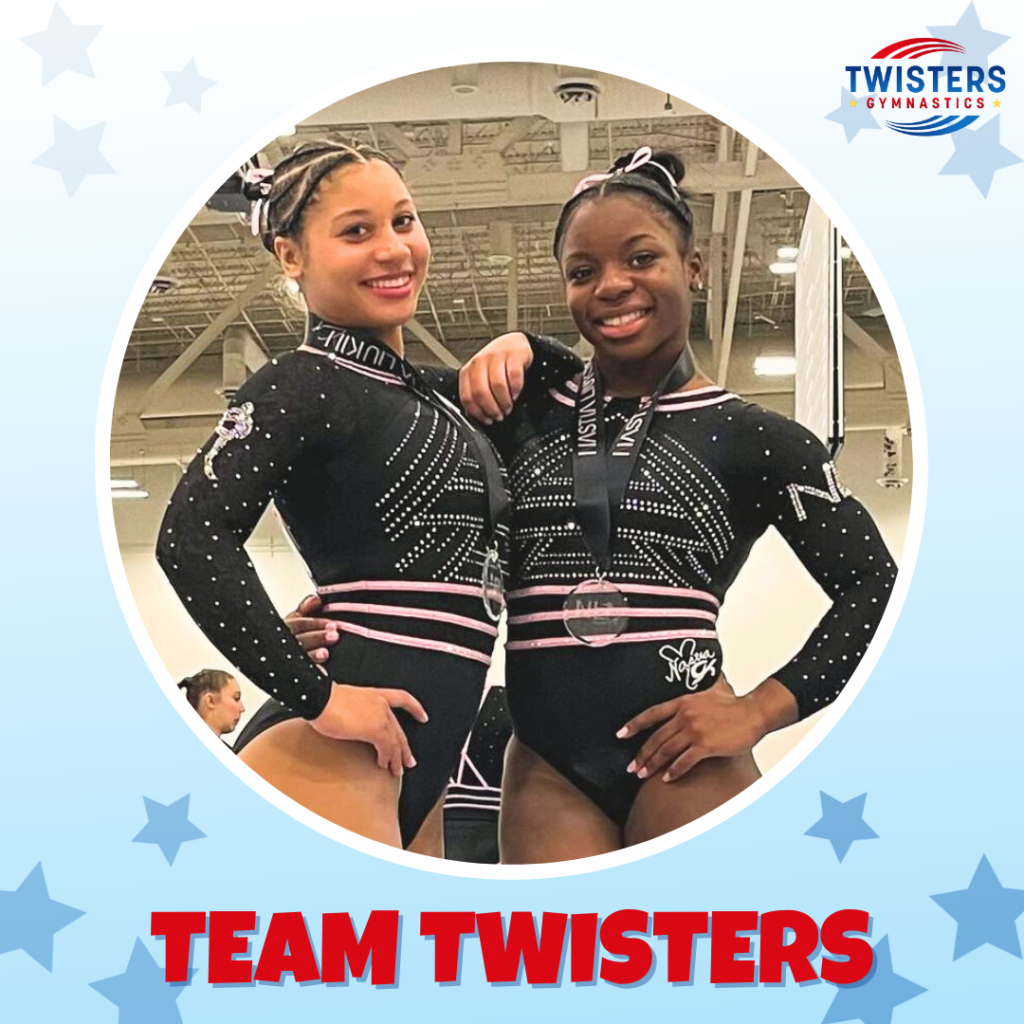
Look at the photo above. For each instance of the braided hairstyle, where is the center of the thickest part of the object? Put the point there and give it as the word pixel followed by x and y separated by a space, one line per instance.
pixel 657 181
pixel 207 680
pixel 296 180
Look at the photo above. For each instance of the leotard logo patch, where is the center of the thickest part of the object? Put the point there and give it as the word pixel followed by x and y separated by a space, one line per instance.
pixel 835 493
pixel 235 424
pixel 687 665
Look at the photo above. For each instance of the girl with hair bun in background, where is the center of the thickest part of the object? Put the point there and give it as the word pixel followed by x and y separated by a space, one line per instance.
pixel 216 697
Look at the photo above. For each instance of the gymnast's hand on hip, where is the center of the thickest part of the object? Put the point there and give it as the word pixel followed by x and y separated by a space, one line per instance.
pixel 492 380
pixel 355 712
pixel 315 634
pixel 711 723
pixel 364 713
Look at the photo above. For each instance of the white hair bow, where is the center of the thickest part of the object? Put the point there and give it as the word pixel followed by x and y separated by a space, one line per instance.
pixel 259 180
pixel 642 156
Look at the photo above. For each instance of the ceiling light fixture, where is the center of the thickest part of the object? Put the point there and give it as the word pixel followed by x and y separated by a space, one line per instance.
pixel 501 236
pixel 576 91
pixel 465 79
pixel 782 268
pixel 787 252
pixel 125 484
pixel 122 493
pixel 775 366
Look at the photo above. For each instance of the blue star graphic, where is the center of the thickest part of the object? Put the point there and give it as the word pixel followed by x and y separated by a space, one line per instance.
pixel 29 918
pixel 842 823
pixel 141 994
pixel 188 86
pixel 873 1000
pixel 984 912
pixel 168 826
pixel 976 41
pixel 853 119
pixel 63 45
pixel 75 154
pixel 979 155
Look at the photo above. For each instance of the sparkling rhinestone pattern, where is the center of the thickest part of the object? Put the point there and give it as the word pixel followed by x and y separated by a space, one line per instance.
pixel 476 783
pixel 714 473
pixel 372 483
pixel 379 492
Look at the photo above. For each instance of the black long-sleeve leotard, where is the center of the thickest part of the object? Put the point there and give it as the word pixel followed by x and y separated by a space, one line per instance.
pixel 386 503
pixel 712 475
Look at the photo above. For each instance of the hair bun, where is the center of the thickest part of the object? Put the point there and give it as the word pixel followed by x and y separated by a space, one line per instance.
pixel 657 176
pixel 668 162
pixel 672 163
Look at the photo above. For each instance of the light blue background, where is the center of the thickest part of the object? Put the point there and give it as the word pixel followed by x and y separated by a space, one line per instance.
pixel 933 738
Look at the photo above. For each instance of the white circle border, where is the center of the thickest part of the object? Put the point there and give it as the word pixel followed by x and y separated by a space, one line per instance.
pixel 914 399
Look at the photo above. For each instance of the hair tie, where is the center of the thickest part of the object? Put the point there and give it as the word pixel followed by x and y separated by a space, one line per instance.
pixel 256 185
pixel 642 156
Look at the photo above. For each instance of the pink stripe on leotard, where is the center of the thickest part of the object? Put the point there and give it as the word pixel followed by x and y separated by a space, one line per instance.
pixel 410 641
pixel 682 406
pixel 626 588
pixel 624 638
pixel 382 376
pixel 402 585
pixel 605 613
pixel 403 611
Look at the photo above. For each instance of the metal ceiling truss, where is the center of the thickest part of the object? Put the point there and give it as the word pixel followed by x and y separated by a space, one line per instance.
pixel 468 174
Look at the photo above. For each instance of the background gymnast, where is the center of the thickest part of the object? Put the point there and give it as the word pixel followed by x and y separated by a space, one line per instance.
pixel 216 697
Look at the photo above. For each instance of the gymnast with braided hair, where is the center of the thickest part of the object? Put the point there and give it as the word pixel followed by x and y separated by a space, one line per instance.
pixel 638 490
pixel 394 501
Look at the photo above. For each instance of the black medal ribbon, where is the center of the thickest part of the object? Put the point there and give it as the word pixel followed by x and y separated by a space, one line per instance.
pixel 368 350
pixel 600 474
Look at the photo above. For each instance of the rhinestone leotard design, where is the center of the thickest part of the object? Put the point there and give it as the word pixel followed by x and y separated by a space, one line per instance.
pixel 713 474
pixel 386 503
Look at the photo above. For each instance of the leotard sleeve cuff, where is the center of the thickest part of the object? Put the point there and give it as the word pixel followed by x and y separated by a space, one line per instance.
pixel 553 363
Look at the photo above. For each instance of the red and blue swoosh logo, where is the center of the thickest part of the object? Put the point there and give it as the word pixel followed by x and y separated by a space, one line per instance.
pixel 936 125
pixel 925 85
pixel 914 48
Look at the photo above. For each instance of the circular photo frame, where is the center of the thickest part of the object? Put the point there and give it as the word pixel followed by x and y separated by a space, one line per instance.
pixel 793 335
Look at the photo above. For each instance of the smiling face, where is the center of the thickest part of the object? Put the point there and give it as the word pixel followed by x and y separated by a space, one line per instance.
pixel 222 709
pixel 362 255
pixel 629 282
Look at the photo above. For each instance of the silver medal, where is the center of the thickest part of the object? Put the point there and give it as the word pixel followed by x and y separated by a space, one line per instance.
pixel 493 585
pixel 591 612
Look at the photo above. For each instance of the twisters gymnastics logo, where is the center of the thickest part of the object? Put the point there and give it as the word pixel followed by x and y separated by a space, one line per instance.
pixel 943 84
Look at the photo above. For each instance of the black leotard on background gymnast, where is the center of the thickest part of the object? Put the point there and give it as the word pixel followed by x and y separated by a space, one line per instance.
pixel 473 799
pixel 386 502
pixel 713 473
